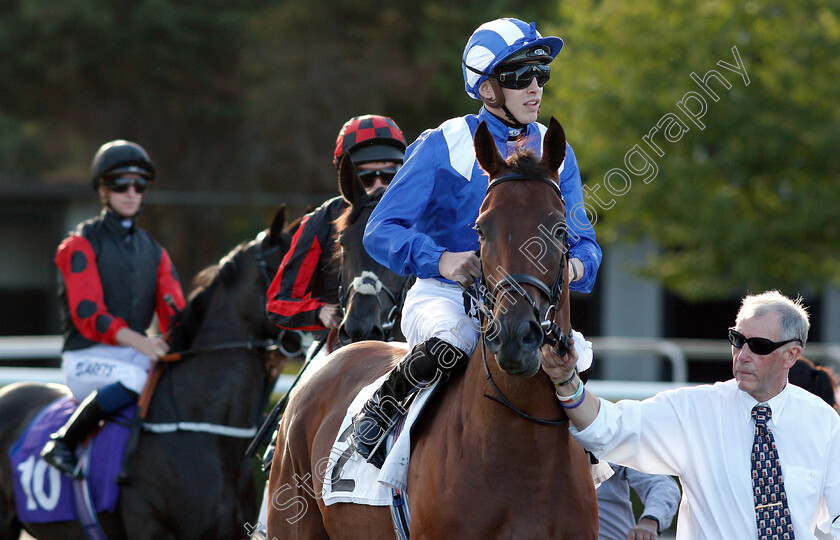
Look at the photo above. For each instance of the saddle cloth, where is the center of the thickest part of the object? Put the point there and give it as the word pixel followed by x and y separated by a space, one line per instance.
pixel 42 493
pixel 349 478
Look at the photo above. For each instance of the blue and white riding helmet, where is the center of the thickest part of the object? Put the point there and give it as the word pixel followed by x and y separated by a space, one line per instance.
pixel 494 42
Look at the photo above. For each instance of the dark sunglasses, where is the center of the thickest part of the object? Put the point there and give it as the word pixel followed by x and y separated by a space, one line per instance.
pixel 519 78
pixel 758 345
pixel 369 176
pixel 121 184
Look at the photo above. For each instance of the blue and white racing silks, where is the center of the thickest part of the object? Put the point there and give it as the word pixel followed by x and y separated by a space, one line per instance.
pixel 433 202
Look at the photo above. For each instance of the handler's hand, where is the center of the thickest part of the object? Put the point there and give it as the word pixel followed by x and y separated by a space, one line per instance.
pixel 462 267
pixel 559 368
pixel 645 530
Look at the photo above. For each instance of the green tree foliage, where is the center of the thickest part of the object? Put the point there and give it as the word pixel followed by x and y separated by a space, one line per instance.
pixel 750 199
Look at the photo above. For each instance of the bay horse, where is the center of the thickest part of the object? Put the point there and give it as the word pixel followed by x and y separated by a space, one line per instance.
pixel 370 294
pixel 478 469
pixel 188 478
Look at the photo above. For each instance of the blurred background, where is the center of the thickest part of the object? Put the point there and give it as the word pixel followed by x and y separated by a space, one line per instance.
pixel 733 186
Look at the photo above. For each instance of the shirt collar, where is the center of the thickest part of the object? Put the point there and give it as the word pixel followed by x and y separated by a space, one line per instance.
pixel 777 404
pixel 501 131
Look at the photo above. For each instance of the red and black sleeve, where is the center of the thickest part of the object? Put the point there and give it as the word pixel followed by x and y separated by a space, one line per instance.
pixel 290 301
pixel 76 261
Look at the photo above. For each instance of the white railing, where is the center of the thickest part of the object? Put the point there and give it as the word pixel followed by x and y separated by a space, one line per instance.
pixel 678 353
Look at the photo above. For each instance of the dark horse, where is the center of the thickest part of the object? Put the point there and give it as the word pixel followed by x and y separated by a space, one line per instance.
pixel 371 295
pixel 192 480
pixel 478 469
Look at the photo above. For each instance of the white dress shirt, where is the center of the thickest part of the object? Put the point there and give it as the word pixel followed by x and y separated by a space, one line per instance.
pixel 704 435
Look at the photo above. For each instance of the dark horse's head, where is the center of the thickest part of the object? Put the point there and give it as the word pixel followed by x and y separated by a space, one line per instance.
pixel 371 294
pixel 243 276
pixel 522 233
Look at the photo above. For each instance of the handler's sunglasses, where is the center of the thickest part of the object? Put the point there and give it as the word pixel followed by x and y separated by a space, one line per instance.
pixel 369 176
pixel 121 184
pixel 758 345
pixel 519 78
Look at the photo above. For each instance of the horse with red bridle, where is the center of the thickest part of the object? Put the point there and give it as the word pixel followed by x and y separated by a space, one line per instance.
pixel 491 455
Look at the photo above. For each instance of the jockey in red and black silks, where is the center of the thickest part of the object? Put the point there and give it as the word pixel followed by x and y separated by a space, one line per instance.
pixel 304 293
pixel 114 278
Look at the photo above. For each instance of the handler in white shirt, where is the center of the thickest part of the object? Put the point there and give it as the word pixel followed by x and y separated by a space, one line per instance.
pixel 704 434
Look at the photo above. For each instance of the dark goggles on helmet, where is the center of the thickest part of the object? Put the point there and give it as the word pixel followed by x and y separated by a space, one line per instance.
pixel 120 184
pixel 517 77
pixel 759 345
pixel 369 176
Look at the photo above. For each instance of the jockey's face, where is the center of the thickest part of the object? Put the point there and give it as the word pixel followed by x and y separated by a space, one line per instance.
pixel 125 203
pixel 377 174
pixel 524 104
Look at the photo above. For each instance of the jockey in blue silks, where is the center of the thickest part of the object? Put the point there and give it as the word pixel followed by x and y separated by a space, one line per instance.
pixel 424 224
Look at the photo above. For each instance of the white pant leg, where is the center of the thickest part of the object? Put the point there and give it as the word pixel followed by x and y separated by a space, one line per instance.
pixel 436 309
pixel 86 370
pixel 262 519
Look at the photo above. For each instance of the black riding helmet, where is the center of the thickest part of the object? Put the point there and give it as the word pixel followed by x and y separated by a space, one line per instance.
pixel 120 157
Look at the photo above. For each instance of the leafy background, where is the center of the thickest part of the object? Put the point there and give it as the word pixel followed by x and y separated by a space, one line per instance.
pixel 246 97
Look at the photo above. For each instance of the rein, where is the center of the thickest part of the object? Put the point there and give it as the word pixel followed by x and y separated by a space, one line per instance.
pixel 552 334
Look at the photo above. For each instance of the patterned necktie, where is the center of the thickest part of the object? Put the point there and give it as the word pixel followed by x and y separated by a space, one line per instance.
pixel 771 509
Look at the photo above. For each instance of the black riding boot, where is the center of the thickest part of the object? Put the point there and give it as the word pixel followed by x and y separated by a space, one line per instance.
pixel 426 361
pixel 60 451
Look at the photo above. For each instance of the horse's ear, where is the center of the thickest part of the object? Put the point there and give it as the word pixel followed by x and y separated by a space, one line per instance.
pixel 554 145
pixel 486 152
pixel 275 232
pixel 348 181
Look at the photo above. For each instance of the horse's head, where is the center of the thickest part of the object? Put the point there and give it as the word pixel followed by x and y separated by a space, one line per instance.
pixel 371 294
pixel 522 233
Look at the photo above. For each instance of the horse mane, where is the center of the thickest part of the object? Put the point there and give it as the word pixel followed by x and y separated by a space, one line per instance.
pixel 188 321
pixel 350 215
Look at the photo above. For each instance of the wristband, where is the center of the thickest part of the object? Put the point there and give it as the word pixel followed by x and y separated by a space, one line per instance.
pixel 573 397
pixel 567 381
pixel 577 403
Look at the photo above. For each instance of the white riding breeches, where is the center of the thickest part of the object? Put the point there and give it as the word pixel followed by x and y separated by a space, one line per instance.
pixel 436 309
pixel 86 370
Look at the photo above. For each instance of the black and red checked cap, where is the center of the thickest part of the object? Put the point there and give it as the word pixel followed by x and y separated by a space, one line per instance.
pixel 370 138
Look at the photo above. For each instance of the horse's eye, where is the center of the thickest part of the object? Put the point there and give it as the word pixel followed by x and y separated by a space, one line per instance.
pixel 479 232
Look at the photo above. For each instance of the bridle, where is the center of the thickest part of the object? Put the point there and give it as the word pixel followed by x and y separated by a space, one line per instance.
pixel 369 284
pixel 552 334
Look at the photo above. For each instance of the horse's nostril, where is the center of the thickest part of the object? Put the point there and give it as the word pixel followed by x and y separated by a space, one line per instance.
pixel 376 333
pixel 343 337
pixel 531 335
